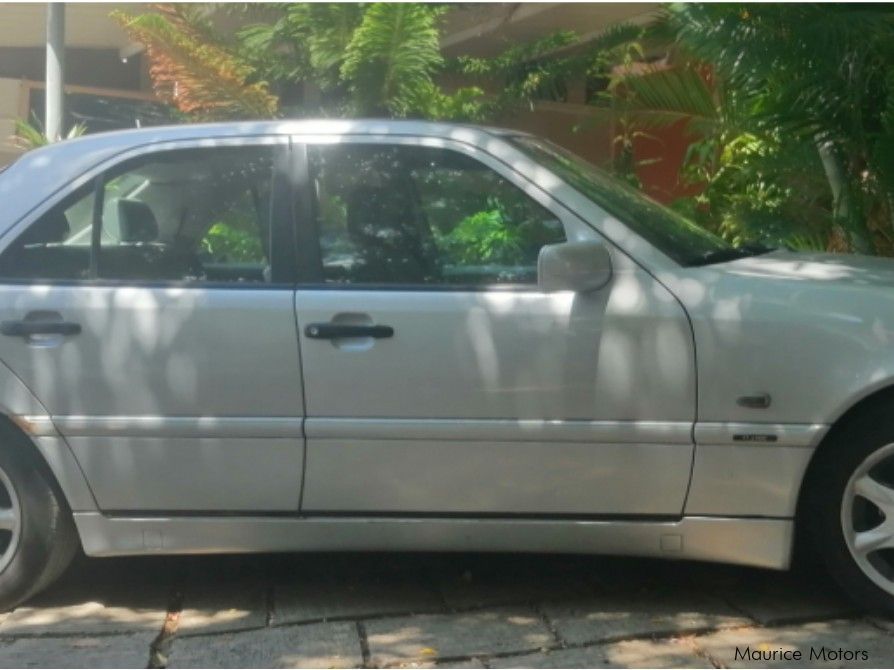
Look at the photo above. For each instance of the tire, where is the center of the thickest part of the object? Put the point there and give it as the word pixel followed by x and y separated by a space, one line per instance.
pixel 842 506
pixel 43 538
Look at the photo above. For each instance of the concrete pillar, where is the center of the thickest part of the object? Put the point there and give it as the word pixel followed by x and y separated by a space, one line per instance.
pixel 55 77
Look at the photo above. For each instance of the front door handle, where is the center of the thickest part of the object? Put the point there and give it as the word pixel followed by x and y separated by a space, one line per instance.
pixel 28 328
pixel 334 331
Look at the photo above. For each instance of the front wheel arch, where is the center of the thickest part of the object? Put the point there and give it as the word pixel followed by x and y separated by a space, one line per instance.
pixel 866 406
pixel 820 541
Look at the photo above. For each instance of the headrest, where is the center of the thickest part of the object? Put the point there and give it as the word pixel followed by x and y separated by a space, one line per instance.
pixel 377 211
pixel 136 221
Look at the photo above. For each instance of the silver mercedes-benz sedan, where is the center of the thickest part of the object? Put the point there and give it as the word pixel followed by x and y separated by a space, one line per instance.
pixel 377 335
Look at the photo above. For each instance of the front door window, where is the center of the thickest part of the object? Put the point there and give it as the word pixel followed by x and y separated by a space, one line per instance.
pixel 411 215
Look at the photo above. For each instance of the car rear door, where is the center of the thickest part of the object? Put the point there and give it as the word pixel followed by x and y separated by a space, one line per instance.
pixel 150 311
pixel 439 378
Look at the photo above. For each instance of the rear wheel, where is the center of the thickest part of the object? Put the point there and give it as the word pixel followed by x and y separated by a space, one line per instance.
pixel 851 511
pixel 37 535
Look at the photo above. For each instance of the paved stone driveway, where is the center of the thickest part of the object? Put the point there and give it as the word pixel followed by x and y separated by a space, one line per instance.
pixel 388 610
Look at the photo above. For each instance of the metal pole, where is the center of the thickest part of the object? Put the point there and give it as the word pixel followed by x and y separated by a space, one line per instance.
pixel 55 107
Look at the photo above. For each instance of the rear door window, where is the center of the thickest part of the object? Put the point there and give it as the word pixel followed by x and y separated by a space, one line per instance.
pixel 194 215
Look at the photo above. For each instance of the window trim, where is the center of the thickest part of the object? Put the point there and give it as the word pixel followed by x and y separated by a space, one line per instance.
pixel 281 209
pixel 570 222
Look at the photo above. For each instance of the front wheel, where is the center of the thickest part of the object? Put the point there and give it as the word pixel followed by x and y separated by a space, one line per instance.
pixel 851 511
pixel 37 535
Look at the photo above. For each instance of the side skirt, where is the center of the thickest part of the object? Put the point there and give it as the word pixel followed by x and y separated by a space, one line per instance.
pixel 756 542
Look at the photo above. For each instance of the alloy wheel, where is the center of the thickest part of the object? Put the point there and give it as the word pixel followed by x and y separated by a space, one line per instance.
pixel 10 520
pixel 867 517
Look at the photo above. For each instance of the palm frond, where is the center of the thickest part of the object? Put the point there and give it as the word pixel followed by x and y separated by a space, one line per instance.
pixel 31 134
pixel 612 38
pixel 193 70
pixel 392 56
pixel 670 94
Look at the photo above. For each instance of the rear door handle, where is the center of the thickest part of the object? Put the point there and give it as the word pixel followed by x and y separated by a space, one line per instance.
pixel 334 331
pixel 28 328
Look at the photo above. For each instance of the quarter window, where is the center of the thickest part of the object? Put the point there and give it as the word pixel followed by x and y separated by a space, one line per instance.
pixel 56 246
pixel 420 215
pixel 185 215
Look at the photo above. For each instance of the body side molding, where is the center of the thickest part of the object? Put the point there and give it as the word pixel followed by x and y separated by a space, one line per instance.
pixel 178 426
pixel 534 430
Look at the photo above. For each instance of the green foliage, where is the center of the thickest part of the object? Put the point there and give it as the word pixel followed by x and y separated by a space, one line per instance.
pixel 307 42
pixel 31 135
pixel 525 71
pixel 485 236
pixel 663 97
pixel 225 242
pixel 539 70
pixel 755 190
pixel 391 57
pixel 352 59
pixel 790 108
pixel 373 59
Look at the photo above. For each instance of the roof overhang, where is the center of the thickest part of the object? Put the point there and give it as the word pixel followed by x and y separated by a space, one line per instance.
pixel 86 26
pixel 488 29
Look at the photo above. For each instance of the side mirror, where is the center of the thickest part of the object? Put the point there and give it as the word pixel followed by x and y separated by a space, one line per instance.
pixel 574 266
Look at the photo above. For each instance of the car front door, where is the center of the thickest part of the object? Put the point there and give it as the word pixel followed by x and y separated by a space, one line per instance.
pixel 439 377
pixel 150 311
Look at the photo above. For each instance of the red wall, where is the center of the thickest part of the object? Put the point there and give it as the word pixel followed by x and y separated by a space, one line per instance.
pixel 661 179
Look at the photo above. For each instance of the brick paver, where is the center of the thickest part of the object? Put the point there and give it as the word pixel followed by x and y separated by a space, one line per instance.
pixel 624 654
pixel 659 612
pixel 326 645
pixel 297 600
pixel 476 611
pixel 449 636
pixel 109 651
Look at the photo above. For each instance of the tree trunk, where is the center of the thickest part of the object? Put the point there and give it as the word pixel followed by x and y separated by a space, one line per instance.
pixel 842 206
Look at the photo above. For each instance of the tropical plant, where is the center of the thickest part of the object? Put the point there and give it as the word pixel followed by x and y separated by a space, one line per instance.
pixel 31 134
pixel 349 59
pixel 791 108
pixel 539 70
pixel 485 236
pixel 366 59
pixel 193 69
pixel 391 58
pixel 231 243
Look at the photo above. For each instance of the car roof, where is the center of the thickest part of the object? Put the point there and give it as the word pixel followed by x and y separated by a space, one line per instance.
pixel 42 172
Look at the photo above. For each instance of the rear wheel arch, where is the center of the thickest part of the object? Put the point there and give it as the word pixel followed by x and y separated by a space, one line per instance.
pixel 13 437
pixel 44 536
pixel 17 405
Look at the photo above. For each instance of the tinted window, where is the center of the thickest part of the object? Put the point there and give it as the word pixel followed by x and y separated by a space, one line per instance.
pixel 189 215
pixel 420 215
